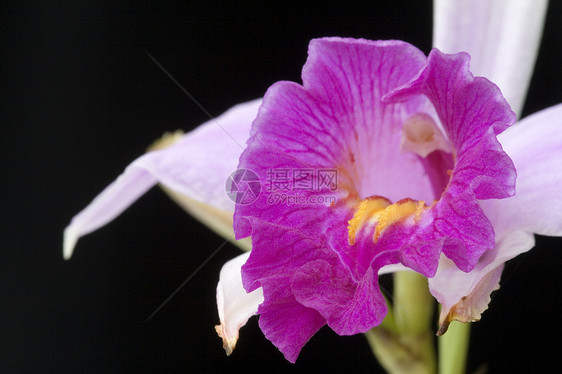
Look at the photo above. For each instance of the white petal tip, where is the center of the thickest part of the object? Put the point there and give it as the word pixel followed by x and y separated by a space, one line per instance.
pixel 71 235
pixel 462 311
pixel 228 342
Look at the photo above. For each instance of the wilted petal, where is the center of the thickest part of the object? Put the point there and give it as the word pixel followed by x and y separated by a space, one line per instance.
pixel 197 167
pixel 464 296
pixel 501 36
pixel 235 306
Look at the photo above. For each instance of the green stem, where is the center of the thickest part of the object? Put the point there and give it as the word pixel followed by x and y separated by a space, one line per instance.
pixel 404 342
pixel 413 304
pixel 453 348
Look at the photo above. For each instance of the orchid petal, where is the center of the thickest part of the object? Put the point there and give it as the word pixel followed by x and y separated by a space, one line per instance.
pixel 464 296
pixel 501 36
pixel 287 323
pixel 348 308
pixel 535 146
pixel 393 268
pixel 197 167
pixel 234 304
pixel 285 311
pixel 472 111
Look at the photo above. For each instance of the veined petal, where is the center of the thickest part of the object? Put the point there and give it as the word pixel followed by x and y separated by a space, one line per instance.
pixel 197 166
pixel 287 323
pixel 235 305
pixel 472 111
pixel 464 296
pixel 333 115
pixel 535 146
pixel 343 82
pixel 501 36
pixel 348 308
pixel 286 311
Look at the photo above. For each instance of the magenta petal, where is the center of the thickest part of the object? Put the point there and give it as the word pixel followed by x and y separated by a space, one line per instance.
pixel 349 308
pixel 285 322
pixel 472 112
pixel 327 123
pixel 282 252
pixel 414 246
pixel 467 106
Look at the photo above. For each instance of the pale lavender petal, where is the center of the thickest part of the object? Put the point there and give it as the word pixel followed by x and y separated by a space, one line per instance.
pixel 197 166
pixel 117 197
pixel 535 146
pixel 393 268
pixel 501 36
pixel 234 304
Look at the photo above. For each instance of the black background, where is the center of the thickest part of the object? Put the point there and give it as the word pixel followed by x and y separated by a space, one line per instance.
pixel 81 99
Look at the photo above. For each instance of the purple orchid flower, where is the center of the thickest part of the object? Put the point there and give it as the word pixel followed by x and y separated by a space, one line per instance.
pixel 504 226
pixel 400 130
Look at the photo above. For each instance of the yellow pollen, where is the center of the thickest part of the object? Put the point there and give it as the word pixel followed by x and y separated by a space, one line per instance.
pixel 398 212
pixel 379 210
pixel 368 208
